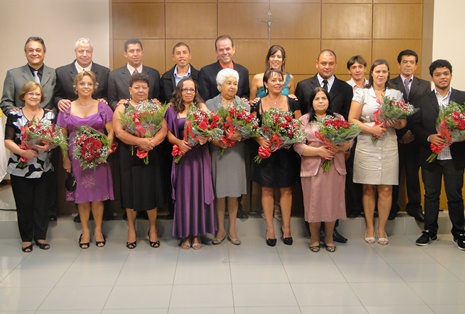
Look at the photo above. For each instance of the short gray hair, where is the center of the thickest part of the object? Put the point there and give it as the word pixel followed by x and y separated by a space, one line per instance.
pixel 84 41
pixel 225 73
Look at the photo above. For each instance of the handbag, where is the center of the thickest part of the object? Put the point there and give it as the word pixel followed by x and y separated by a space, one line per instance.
pixel 70 182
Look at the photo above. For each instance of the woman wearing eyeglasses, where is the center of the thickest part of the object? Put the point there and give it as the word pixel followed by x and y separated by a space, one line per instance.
pixel 191 178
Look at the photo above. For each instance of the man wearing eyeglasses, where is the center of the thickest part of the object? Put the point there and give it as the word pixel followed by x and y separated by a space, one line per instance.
pixel 34 70
pixel 64 90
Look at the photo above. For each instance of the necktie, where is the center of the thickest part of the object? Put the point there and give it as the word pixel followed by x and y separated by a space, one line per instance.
pixel 135 71
pixel 325 85
pixel 36 77
pixel 407 87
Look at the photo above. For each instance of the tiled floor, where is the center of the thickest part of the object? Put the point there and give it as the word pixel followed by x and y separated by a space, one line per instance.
pixel 250 278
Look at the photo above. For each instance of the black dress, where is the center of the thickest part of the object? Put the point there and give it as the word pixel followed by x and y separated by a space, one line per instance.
pixel 142 185
pixel 282 168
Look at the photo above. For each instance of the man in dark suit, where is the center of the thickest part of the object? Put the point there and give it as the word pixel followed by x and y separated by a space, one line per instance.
pixel 224 49
pixel 118 81
pixel 450 162
pixel 182 68
pixel 64 90
pixel 412 89
pixel 34 70
pixel 340 93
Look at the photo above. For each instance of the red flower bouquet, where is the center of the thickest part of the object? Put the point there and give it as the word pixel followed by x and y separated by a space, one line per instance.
pixel 392 111
pixel 335 131
pixel 199 122
pixel 143 120
pixel 91 147
pixel 451 127
pixel 237 118
pixel 280 129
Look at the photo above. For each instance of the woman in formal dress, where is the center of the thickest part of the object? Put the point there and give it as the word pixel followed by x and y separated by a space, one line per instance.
pixel 281 169
pixel 376 164
pixel 30 178
pixel 141 184
pixel 315 181
pixel 229 176
pixel 192 192
pixel 93 186
pixel 275 59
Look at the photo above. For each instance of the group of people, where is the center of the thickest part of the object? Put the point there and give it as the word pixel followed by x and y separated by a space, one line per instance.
pixel 210 178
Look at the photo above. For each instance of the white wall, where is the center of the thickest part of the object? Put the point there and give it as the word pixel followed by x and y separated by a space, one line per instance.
pixel 448 37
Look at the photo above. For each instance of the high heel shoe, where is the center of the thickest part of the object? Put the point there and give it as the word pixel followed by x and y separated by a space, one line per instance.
pixel 369 240
pixel 100 243
pixel 234 241
pixel 84 245
pixel 43 246
pixel 271 242
pixel 288 240
pixel 217 241
pixel 155 244
pixel 131 245
pixel 27 249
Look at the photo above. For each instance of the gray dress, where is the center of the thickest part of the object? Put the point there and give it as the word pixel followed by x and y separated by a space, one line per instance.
pixel 375 162
pixel 229 178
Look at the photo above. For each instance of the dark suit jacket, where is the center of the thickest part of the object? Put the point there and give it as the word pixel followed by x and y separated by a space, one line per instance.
pixel 341 95
pixel 418 89
pixel 207 81
pixel 65 79
pixel 16 78
pixel 424 124
pixel 168 83
pixel 118 84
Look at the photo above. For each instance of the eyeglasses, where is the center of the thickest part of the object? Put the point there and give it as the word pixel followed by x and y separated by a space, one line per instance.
pixel 188 90
pixel 34 94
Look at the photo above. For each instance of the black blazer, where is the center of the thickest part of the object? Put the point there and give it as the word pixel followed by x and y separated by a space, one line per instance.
pixel 341 95
pixel 424 124
pixel 168 83
pixel 65 79
pixel 418 89
pixel 118 84
pixel 207 81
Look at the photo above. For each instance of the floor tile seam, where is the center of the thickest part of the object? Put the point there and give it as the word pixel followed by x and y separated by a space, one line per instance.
pixel 174 278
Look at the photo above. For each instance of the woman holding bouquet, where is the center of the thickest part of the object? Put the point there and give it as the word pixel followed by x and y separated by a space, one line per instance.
pixel 376 164
pixel 30 168
pixel 281 168
pixel 318 206
pixel 93 186
pixel 229 167
pixel 141 183
pixel 191 177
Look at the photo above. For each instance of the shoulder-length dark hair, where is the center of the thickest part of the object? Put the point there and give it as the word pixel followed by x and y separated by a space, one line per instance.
pixel 176 100
pixel 272 51
pixel 311 110
pixel 373 66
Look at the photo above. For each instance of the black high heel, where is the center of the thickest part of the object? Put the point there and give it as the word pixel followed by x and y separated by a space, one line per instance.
pixel 155 244
pixel 100 243
pixel 43 246
pixel 27 249
pixel 271 242
pixel 84 245
pixel 288 240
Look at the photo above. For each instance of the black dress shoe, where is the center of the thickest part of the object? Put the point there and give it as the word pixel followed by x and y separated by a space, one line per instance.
pixel 77 219
pixel 337 237
pixel 460 240
pixel 392 216
pixel 353 214
pixel 271 242
pixel 426 238
pixel 418 216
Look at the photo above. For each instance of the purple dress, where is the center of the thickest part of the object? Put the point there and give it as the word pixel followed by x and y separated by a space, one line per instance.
pixel 192 187
pixel 93 185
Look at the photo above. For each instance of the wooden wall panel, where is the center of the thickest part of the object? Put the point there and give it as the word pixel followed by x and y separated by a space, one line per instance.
pixel 398 1
pixel 345 49
pixel 142 20
pixel 295 20
pixel 346 1
pixel 389 49
pixel 136 1
pixel 240 20
pixel 179 24
pixel 397 21
pixel 154 54
pixel 346 21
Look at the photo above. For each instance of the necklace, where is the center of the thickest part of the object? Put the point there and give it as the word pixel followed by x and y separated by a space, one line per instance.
pixel 79 102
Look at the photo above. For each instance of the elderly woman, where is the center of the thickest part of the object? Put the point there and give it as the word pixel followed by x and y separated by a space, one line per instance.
pixel 141 184
pixel 93 185
pixel 191 178
pixel 318 206
pixel 229 176
pixel 275 59
pixel 281 169
pixel 376 164
pixel 30 177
